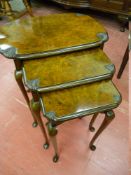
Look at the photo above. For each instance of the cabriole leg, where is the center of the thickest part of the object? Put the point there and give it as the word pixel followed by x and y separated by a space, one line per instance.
pixel 35 106
pixel 18 77
pixel 109 116
pixel 52 133
pixel 91 127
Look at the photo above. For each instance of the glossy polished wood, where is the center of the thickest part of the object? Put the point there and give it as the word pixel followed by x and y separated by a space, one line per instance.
pixel 111 6
pixel 122 8
pixel 87 3
pixel 44 33
pixel 51 71
pixel 92 98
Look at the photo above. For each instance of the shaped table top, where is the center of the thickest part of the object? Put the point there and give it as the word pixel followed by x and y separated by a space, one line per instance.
pixel 82 100
pixel 67 70
pixel 41 36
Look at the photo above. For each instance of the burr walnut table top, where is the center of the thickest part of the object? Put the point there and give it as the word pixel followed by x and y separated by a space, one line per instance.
pixel 79 101
pixel 41 36
pixel 67 70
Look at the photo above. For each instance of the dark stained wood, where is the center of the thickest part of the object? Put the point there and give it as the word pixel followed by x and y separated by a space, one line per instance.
pixel 114 6
pixel 122 8
pixel 124 62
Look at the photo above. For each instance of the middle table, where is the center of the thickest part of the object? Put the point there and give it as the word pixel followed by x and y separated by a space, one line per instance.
pixel 67 70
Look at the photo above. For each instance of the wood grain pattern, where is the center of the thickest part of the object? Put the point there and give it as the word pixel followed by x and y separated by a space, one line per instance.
pixel 68 67
pixel 81 98
pixel 44 33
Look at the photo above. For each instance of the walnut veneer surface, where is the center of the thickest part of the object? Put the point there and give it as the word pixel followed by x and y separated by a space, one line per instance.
pixel 96 96
pixel 44 33
pixel 65 68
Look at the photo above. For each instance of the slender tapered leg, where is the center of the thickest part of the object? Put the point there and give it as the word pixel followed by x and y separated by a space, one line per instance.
pixel 124 62
pixel 35 106
pixel 91 128
pixel 109 116
pixel 52 133
pixel 28 6
pixel 18 77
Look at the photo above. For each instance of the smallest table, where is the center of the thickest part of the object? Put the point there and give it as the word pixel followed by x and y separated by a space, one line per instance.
pixel 67 104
